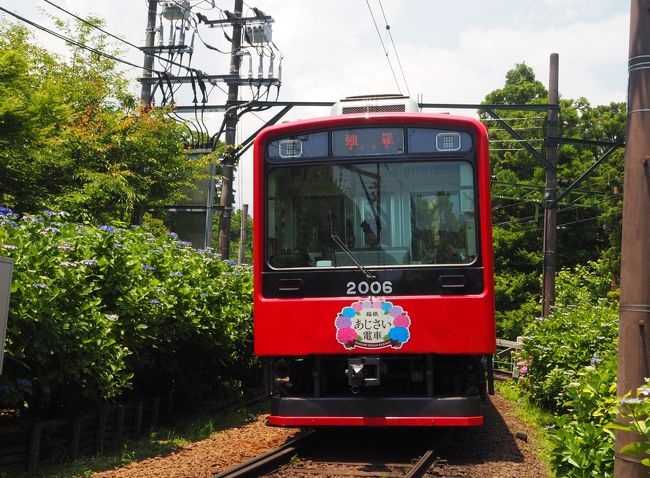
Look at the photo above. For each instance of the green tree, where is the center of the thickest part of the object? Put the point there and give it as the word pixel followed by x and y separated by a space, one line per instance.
pixel 588 228
pixel 72 137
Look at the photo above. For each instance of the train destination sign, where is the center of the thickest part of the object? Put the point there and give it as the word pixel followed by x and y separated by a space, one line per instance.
pixel 367 141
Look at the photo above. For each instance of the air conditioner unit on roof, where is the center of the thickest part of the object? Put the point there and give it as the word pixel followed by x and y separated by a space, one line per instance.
pixel 375 104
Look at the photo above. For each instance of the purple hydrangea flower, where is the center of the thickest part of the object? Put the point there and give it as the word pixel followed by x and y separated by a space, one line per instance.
pixel 89 262
pixel 106 228
pixel 148 268
pixel 40 286
pixel 154 301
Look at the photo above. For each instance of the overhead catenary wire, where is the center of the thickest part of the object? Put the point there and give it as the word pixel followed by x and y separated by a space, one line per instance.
pixel 399 63
pixel 384 47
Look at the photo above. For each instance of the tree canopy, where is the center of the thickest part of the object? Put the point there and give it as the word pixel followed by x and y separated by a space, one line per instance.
pixel 72 136
pixel 588 222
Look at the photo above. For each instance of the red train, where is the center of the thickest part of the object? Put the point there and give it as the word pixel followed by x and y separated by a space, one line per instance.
pixel 374 295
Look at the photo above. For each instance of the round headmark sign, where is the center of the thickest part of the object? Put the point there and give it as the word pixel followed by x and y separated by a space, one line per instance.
pixel 372 324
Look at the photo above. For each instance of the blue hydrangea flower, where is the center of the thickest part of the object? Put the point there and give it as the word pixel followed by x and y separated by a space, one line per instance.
pixel 176 274
pixel 348 312
pixel 154 301
pixel 230 262
pixel 23 382
pixel 89 262
pixel 106 228
pixel 398 334
pixel 40 286
pixel 148 268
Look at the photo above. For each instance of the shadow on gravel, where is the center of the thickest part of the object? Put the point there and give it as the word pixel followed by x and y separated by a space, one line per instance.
pixel 492 442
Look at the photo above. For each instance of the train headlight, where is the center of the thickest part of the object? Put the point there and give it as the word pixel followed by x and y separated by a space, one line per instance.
pixel 448 141
pixel 290 148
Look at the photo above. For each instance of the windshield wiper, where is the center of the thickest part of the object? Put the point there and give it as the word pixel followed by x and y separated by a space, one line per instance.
pixel 337 240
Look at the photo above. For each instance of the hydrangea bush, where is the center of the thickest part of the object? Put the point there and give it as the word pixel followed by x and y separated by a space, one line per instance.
pixel 100 312
pixel 568 367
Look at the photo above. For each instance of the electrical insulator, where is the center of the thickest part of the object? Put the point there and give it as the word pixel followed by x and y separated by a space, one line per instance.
pixel 271 66
pixel 181 35
pixel 258 33
pixel 161 32
pixel 260 70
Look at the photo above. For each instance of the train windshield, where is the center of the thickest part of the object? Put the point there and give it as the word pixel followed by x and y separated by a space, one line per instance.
pixel 386 214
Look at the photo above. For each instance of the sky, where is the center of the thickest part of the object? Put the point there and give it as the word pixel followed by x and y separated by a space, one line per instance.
pixel 449 52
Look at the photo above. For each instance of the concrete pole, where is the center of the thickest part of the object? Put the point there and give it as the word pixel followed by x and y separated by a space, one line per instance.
pixel 634 325
pixel 242 234
pixel 150 38
pixel 209 209
pixel 231 120
pixel 550 191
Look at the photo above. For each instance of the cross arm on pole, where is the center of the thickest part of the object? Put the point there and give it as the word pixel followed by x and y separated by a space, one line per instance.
pixel 536 154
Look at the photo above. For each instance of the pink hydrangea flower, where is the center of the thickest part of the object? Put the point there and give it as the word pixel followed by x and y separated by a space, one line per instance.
pixel 346 335
pixel 402 321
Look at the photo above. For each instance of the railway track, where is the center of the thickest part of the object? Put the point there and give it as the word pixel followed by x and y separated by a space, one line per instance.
pixel 347 453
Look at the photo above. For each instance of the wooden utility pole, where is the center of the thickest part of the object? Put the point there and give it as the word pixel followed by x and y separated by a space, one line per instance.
pixel 150 38
pixel 634 324
pixel 231 120
pixel 550 190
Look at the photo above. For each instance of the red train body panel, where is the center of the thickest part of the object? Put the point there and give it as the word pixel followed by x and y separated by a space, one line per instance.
pixel 374 295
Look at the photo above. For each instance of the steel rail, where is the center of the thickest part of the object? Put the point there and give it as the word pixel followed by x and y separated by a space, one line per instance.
pixel 422 465
pixel 268 461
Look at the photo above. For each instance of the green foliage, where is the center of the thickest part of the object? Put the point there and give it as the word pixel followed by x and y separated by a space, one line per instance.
pixel 97 311
pixel 235 235
pixel 582 440
pixel 588 229
pixel 635 418
pixel 571 338
pixel 71 138
pixel 568 368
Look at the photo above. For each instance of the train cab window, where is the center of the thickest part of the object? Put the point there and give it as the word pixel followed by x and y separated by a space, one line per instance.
pixel 383 214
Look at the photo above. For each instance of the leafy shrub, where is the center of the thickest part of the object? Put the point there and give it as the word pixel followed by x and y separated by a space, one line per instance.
pixel 635 412
pixel 582 440
pixel 95 312
pixel 569 339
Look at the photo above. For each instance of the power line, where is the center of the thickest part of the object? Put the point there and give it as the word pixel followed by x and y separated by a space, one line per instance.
pixel 394 48
pixel 76 43
pixel 91 24
pixel 568 208
pixel 384 47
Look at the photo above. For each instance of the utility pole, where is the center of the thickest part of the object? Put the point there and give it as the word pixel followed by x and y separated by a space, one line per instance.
pixel 634 318
pixel 150 38
pixel 231 120
pixel 550 190
pixel 242 234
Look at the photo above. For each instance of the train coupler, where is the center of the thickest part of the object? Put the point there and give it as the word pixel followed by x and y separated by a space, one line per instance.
pixel 363 372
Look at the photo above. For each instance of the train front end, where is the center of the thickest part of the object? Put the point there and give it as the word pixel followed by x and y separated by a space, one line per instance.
pixel 374 302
